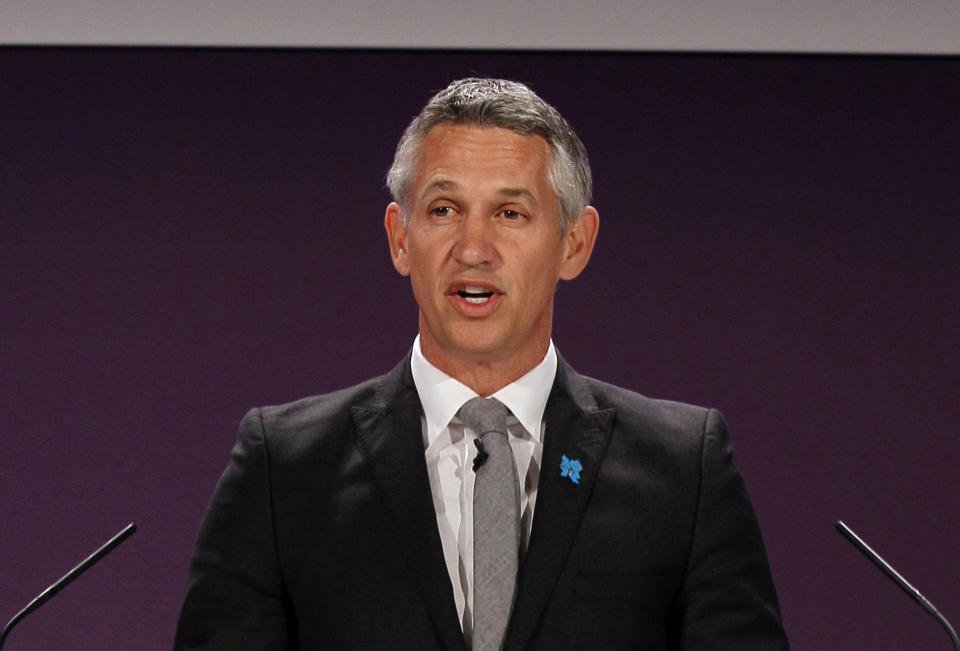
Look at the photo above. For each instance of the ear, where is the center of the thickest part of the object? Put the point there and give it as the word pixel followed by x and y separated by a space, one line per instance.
pixel 397 237
pixel 578 243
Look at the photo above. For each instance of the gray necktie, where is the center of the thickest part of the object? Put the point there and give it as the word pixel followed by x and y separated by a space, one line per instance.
pixel 496 523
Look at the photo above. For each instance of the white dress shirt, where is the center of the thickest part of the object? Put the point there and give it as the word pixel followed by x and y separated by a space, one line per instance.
pixel 450 450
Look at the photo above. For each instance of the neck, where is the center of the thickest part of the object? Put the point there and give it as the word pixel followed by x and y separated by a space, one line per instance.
pixel 485 375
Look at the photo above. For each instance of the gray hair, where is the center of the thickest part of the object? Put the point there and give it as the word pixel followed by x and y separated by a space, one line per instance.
pixel 508 105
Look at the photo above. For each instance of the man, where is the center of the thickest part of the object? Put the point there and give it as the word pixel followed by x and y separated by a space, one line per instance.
pixel 374 517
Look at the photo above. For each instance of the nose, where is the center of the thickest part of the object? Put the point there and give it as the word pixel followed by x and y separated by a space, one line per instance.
pixel 475 246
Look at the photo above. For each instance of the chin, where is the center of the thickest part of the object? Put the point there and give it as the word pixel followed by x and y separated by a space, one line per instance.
pixel 479 349
pixel 478 344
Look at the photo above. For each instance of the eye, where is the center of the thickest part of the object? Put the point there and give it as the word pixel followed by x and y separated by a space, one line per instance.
pixel 441 211
pixel 512 215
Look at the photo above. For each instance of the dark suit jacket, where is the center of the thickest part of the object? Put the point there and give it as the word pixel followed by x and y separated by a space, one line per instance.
pixel 322 533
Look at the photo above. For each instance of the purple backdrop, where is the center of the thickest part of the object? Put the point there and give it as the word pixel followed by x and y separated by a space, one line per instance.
pixel 188 233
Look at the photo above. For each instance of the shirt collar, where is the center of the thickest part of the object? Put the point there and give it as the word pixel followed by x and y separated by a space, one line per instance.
pixel 442 396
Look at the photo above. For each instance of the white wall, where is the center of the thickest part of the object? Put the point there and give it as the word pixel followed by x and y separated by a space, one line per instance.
pixel 863 26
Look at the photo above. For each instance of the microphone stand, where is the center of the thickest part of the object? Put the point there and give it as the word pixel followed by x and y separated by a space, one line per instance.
pixel 887 569
pixel 47 594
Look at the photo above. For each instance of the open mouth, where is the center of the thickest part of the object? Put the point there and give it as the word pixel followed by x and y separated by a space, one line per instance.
pixel 475 295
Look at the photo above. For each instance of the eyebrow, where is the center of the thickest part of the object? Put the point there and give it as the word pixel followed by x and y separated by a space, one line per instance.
pixel 518 192
pixel 440 184
pixel 446 184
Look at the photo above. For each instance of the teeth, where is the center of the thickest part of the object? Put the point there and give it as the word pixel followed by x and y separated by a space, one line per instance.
pixel 475 295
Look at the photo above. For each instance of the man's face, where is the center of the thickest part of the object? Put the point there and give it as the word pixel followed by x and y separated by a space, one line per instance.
pixel 483 245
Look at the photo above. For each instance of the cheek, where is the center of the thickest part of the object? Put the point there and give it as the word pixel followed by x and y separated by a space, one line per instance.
pixel 418 282
pixel 538 283
pixel 424 282
pixel 426 252
pixel 539 269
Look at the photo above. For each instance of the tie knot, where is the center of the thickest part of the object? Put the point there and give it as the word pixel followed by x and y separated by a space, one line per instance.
pixel 484 415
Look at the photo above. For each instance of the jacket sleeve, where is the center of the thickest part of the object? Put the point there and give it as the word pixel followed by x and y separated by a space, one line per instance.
pixel 235 595
pixel 728 601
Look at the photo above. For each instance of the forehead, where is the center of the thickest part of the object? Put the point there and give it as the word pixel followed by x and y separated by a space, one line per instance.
pixel 461 149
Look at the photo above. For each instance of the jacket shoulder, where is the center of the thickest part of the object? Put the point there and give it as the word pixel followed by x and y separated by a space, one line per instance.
pixel 323 423
pixel 307 413
pixel 634 408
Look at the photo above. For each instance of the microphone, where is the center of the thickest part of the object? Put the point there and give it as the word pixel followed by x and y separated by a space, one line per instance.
pixel 68 578
pixel 481 457
pixel 887 569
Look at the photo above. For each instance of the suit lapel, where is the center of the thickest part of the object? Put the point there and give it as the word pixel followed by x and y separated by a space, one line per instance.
pixel 389 436
pixel 575 428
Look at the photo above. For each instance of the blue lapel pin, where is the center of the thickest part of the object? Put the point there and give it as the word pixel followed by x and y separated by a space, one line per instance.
pixel 570 468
